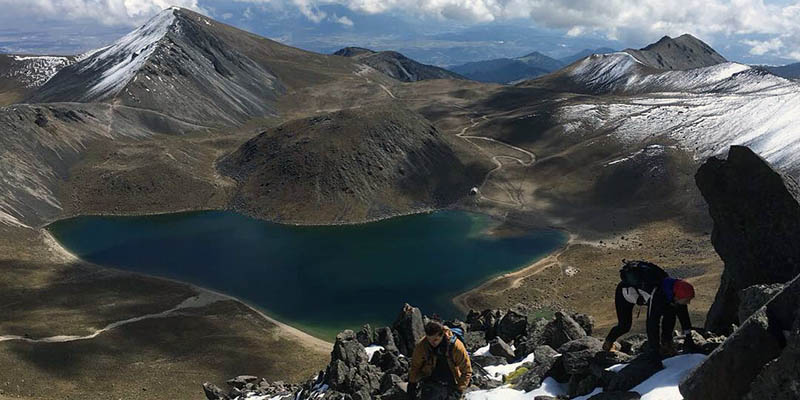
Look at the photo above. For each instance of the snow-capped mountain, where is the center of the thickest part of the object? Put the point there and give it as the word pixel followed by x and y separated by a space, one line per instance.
pixel 180 63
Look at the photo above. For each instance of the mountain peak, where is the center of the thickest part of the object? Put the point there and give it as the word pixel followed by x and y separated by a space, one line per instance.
pixel 353 51
pixel 683 52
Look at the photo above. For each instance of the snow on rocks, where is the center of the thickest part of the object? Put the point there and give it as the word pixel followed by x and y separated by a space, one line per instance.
pixel 122 60
pixel 34 71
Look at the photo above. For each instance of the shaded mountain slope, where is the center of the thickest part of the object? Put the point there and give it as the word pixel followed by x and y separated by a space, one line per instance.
pixel 790 71
pixel 507 70
pixel 396 65
pixel 351 165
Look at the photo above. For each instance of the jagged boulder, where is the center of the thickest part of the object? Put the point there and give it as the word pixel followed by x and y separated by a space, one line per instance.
pixel 410 329
pixel 561 330
pixel 213 392
pixel 582 384
pixel 731 369
pixel 756 216
pixel 578 354
pixel 366 335
pixel 585 321
pixel 633 344
pixel 385 338
pixel 498 347
pixel 637 371
pixel 513 324
pixel 754 297
pixel 703 342
pixel 780 378
pixel 349 371
pixel 474 340
pixel 390 363
pixel 544 358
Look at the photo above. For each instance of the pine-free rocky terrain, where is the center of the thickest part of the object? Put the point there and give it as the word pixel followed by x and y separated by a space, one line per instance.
pixel 187 113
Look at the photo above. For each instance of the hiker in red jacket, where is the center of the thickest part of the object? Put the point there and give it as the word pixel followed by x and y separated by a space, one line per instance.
pixel 644 283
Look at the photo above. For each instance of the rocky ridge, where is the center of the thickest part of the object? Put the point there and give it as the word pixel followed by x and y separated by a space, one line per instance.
pixel 373 364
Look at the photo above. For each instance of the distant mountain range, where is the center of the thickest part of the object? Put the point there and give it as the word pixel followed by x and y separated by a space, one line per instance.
pixel 509 70
pixel 791 71
pixel 396 65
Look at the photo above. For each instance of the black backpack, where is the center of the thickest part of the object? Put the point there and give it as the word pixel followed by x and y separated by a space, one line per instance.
pixel 641 275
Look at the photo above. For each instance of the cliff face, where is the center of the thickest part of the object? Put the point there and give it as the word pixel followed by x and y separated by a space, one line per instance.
pixel 756 215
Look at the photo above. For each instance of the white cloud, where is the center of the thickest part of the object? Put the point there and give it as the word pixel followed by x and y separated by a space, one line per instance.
pixel 106 12
pixel 761 47
pixel 634 21
pixel 342 20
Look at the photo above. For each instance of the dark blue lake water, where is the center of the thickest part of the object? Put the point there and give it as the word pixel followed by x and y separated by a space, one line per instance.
pixel 321 279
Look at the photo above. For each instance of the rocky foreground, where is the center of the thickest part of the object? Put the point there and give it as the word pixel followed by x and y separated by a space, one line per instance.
pixel 521 350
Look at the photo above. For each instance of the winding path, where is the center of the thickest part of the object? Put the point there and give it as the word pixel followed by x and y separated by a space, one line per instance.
pixel 202 299
pixel 496 159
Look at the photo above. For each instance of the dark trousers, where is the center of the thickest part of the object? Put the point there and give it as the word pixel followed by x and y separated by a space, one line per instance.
pixel 625 318
pixel 438 391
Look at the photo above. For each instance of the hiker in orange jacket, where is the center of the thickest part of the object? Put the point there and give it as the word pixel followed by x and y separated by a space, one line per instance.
pixel 441 365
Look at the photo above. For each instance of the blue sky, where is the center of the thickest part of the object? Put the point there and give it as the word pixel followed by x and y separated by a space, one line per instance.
pixel 441 32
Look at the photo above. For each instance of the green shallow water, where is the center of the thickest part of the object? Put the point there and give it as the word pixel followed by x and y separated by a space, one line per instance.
pixel 321 279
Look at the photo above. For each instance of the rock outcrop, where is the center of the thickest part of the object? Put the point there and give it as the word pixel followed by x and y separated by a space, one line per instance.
pixel 756 215
pixel 746 360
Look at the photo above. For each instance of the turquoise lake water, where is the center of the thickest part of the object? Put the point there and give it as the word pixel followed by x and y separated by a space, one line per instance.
pixel 321 279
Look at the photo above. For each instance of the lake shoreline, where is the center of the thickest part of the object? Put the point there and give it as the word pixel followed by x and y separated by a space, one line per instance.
pixel 291 331
pixel 512 279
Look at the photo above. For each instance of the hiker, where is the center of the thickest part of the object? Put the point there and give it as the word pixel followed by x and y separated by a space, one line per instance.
pixel 440 364
pixel 644 283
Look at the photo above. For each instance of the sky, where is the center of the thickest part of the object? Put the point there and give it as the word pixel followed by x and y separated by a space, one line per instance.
pixel 442 32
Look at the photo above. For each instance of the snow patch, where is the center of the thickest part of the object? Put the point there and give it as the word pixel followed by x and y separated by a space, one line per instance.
pixel 371 350
pixel 34 71
pixel 661 386
pixel 497 372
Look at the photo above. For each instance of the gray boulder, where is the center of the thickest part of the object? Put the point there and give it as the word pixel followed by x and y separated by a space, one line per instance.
pixel 633 344
pixel 498 347
pixel 578 354
pixel 410 329
pixel 349 370
pixel 582 384
pixel 637 371
pixel 366 335
pixel 780 378
pixel 513 325
pixel 756 217
pixel 585 321
pixel 241 381
pixel 729 371
pixel 390 363
pixel 754 297
pixel 544 358
pixel 561 330
pixel 213 392
pixel 474 340
pixel 385 338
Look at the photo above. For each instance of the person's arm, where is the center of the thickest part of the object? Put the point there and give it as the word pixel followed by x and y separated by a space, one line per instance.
pixel 417 359
pixel 683 315
pixel 461 359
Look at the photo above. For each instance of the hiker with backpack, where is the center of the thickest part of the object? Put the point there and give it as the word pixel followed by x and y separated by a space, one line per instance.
pixel 440 364
pixel 644 283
